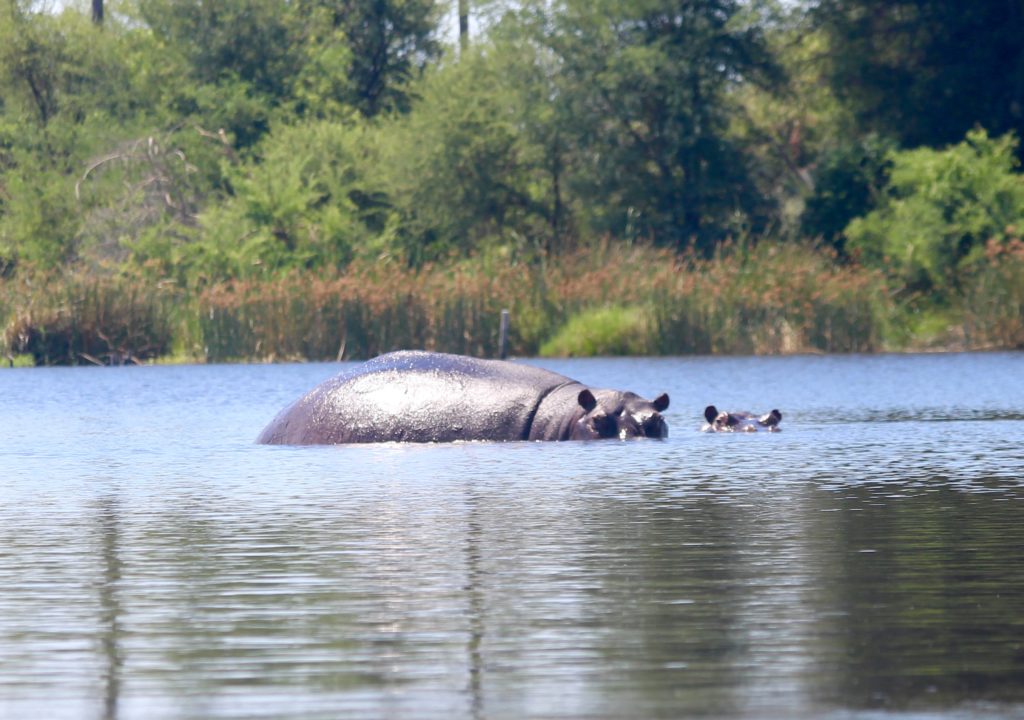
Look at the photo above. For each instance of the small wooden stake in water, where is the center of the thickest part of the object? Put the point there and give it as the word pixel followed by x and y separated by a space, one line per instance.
pixel 503 335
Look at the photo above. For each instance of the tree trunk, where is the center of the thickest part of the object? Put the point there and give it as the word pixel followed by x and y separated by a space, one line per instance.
pixel 97 11
pixel 463 24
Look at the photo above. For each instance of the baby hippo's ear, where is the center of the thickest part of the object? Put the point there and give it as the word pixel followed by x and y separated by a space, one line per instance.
pixel 587 400
pixel 773 418
pixel 710 413
pixel 661 402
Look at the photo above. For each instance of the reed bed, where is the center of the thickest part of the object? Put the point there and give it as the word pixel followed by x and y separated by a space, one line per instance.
pixel 363 312
pixel 771 299
pixel 75 319
pixel 748 299
pixel 766 298
pixel 994 296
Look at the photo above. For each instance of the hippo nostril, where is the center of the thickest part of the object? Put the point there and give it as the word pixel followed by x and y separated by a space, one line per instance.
pixel 654 427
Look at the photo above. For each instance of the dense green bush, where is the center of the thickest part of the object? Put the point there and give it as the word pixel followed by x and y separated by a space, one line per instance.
pixel 602 331
pixel 939 209
pixel 308 201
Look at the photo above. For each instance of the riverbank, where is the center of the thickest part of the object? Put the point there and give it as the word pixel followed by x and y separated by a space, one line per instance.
pixel 769 298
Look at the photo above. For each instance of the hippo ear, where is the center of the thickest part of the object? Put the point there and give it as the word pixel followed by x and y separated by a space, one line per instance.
pixel 710 413
pixel 661 402
pixel 587 400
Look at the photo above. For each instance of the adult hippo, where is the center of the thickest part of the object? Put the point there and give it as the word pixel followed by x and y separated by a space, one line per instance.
pixel 432 397
pixel 739 421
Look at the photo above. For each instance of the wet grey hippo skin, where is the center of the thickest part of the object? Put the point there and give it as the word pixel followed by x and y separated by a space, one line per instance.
pixel 433 397
pixel 739 421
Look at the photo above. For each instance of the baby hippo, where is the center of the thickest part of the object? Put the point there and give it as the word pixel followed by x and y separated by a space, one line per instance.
pixel 739 421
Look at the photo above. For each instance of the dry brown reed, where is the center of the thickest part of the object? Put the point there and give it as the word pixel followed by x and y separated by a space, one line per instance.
pixel 363 312
pixel 771 299
pixel 994 296
pixel 73 319
pixel 749 298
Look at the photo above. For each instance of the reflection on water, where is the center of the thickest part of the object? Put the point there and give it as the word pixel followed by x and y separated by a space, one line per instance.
pixel 869 560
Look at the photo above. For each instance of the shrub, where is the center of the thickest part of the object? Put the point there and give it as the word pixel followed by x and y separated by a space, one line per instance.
pixel 602 331
pixel 941 208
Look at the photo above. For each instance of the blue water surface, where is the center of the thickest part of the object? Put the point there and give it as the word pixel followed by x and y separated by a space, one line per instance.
pixel 866 562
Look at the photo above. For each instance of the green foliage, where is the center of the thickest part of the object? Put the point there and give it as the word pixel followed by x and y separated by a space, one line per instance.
pixel 39 222
pixel 66 86
pixel 462 171
pixel 602 331
pixel 311 55
pixel 23 360
pixel 940 209
pixel 195 143
pixel 848 184
pixel 251 41
pixel 61 67
pixel 644 89
pixel 389 42
pixel 305 203
pixel 586 118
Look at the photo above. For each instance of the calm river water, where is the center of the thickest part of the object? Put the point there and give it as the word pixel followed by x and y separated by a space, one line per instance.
pixel 866 562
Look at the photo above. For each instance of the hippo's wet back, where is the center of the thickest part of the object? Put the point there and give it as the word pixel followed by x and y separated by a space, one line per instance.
pixel 414 396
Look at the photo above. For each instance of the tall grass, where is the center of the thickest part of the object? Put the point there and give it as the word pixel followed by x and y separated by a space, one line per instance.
pixel 748 299
pixel 73 318
pixel 771 299
pixel 366 311
pixel 610 298
pixel 994 296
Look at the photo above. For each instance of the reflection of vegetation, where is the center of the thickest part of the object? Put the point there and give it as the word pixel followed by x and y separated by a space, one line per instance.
pixel 669 583
pixel 680 595
pixel 111 631
pixel 880 602
pixel 926 600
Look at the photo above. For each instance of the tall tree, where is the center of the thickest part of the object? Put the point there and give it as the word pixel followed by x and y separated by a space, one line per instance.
pixel 253 41
pixel 647 84
pixel 390 42
pixel 463 24
pixel 927 71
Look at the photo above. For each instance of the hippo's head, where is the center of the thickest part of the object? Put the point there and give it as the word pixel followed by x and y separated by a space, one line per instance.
pixel 739 421
pixel 614 414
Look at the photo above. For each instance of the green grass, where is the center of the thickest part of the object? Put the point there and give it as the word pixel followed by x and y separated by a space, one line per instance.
pixel 18 361
pixel 602 331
